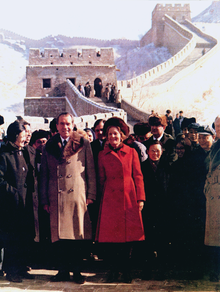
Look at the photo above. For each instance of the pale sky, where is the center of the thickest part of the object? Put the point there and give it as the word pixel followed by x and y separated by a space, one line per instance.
pixel 100 19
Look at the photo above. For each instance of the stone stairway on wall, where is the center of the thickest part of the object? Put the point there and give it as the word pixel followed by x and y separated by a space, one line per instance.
pixel 102 101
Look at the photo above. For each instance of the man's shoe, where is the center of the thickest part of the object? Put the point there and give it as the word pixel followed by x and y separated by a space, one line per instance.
pixel 213 277
pixel 60 276
pixel 14 278
pixel 127 278
pixel 78 278
pixel 26 275
pixel 112 277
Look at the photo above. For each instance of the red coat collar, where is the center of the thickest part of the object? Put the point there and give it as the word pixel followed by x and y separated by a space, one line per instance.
pixel 124 149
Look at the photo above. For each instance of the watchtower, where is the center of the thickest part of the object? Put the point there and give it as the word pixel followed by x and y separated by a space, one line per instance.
pixel 177 11
pixel 48 70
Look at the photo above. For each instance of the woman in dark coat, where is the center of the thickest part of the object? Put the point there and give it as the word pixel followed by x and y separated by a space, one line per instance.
pixel 122 189
pixel 17 222
pixel 155 212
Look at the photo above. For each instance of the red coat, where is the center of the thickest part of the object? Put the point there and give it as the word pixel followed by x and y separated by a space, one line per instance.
pixel 122 185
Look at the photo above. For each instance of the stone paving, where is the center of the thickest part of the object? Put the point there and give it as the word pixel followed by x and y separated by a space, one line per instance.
pixel 95 282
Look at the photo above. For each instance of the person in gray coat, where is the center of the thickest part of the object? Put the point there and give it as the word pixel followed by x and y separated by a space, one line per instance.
pixel 68 185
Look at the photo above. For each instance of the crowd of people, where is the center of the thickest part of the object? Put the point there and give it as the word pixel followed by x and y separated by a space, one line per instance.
pixel 110 93
pixel 149 199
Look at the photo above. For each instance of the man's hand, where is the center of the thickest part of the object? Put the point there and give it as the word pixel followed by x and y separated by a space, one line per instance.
pixel 89 201
pixel 141 205
pixel 46 208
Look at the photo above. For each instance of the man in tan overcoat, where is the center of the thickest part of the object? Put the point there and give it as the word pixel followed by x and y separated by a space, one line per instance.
pixel 68 185
pixel 212 193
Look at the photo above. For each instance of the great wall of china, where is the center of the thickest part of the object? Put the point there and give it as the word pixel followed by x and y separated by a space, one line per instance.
pixel 171 27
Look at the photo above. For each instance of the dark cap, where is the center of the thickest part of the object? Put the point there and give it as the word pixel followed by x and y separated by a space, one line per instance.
pixel 38 134
pixel 206 130
pixel 116 122
pixel 186 122
pixel 193 126
pixel 141 128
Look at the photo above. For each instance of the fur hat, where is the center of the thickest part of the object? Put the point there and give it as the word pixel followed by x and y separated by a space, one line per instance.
pixel 158 120
pixel 116 122
pixel 38 134
pixel 141 128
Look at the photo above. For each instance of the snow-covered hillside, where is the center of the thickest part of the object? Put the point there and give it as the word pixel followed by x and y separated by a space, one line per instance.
pixel 210 14
pixel 136 61
pixel 12 82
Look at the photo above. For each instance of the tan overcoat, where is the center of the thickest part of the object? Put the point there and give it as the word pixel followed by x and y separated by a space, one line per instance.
pixel 212 193
pixel 68 179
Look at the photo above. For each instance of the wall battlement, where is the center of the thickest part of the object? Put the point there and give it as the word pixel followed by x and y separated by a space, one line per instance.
pixel 171 7
pixel 104 56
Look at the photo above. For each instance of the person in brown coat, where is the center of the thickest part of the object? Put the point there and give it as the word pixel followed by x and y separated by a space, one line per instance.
pixel 68 185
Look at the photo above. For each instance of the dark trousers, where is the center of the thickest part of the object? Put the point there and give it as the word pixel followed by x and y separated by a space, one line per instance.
pixel 17 253
pixel 117 256
pixel 69 254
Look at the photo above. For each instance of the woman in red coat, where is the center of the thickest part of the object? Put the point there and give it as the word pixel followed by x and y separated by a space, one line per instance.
pixel 123 196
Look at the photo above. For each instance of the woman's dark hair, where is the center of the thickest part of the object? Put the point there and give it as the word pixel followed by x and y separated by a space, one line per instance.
pixel 97 122
pixel 91 130
pixel 154 142
pixel 14 129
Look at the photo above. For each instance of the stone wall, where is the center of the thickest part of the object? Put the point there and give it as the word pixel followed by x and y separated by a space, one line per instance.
pixel 45 106
pixel 82 122
pixel 59 74
pixel 134 111
pixel 163 68
pixel 74 57
pixel 175 37
pixel 72 102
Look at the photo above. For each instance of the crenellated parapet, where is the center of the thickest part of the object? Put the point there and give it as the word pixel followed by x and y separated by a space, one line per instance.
pixel 171 7
pixel 71 57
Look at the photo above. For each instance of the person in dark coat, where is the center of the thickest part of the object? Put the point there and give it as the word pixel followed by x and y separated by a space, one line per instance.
pixel 122 189
pixel 169 128
pixel 87 89
pixel 97 145
pixel 179 198
pixel 155 211
pixel 158 125
pixel 17 201
pixel 176 125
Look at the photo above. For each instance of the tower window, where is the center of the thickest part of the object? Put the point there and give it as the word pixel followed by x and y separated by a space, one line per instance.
pixel 47 83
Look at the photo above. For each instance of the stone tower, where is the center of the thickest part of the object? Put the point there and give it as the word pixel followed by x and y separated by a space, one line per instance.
pixel 48 71
pixel 178 12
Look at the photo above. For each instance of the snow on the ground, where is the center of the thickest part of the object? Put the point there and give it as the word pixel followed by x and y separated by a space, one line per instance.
pixel 12 82
pixel 198 94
